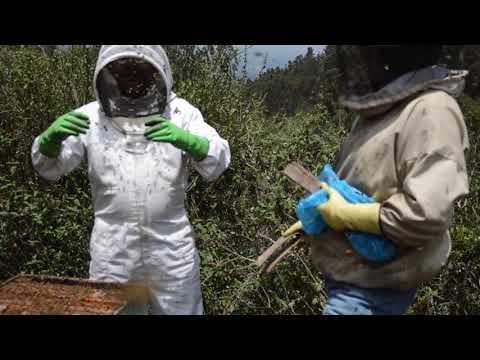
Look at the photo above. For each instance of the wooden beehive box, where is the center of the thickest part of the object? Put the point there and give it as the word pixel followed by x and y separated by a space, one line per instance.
pixel 45 295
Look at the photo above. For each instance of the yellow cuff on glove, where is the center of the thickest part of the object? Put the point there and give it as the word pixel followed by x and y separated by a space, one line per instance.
pixel 339 215
pixel 293 229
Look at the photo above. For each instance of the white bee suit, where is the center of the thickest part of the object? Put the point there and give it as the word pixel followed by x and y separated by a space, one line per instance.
pixel 141 230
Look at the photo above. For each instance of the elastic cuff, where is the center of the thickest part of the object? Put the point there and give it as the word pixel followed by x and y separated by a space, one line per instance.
pixel 202 152
pixel 197 147
pixel 365 218
pixel 49 149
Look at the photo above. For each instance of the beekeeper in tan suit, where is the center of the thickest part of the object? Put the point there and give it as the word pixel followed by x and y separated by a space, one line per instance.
pixel 407 148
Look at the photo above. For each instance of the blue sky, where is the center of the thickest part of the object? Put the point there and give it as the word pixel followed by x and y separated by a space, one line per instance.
pixel 277 55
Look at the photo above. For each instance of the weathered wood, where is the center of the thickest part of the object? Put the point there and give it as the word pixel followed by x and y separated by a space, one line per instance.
pixel 283 254
pixel 45 295
pixel 262 259
pixel 302 177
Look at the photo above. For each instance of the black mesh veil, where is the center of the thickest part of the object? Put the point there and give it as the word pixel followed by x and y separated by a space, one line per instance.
pixel 131 87
pixel 366 69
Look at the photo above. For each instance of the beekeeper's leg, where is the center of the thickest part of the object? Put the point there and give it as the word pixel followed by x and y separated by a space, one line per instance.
pixel 136 309
pixel 179 296
pixel 344 299
pixel 104 271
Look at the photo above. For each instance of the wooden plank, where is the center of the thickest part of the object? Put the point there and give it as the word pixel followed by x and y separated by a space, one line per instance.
pixel 302 177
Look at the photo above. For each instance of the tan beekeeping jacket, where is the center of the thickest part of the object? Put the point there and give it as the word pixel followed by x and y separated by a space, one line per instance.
pixel 408 149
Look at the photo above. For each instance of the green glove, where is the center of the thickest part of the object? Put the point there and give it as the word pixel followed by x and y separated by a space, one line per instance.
pixel 66 125
pixel 163 130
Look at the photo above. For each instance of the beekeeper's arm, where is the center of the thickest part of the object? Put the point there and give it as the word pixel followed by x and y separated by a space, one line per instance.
pixel 60 148
pixel 211 153
pixel 217 158
pixel 431 163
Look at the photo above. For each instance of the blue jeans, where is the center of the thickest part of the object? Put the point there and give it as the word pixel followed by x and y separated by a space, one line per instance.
pixel 344 299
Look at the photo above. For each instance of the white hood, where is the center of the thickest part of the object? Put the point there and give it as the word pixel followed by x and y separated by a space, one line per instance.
pixel 154 54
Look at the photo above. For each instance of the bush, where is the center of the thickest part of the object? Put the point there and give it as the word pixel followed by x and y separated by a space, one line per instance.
pixel 250 206
pixel 44 227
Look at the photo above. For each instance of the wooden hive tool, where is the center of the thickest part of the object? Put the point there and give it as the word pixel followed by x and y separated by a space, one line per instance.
pixel 285 244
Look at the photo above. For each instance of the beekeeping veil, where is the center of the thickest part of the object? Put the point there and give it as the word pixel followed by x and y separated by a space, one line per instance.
pixel 373 78
pixel 365 69
pixel 132 80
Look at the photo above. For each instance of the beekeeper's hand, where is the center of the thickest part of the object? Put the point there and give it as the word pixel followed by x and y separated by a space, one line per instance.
pixel 163 130
pixel 71 124
pixel 340 215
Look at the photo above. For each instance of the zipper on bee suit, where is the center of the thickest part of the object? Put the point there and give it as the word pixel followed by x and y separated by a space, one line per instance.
pixel 140 209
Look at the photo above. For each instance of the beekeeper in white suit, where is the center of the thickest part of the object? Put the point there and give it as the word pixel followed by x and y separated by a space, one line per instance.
pixel 136 138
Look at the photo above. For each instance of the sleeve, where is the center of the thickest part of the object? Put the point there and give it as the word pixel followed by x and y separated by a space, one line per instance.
pixel 431 165
pixel 218 156
pixel 71 155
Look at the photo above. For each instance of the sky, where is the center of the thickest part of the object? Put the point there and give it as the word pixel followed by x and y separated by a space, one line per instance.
pixel 277 55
